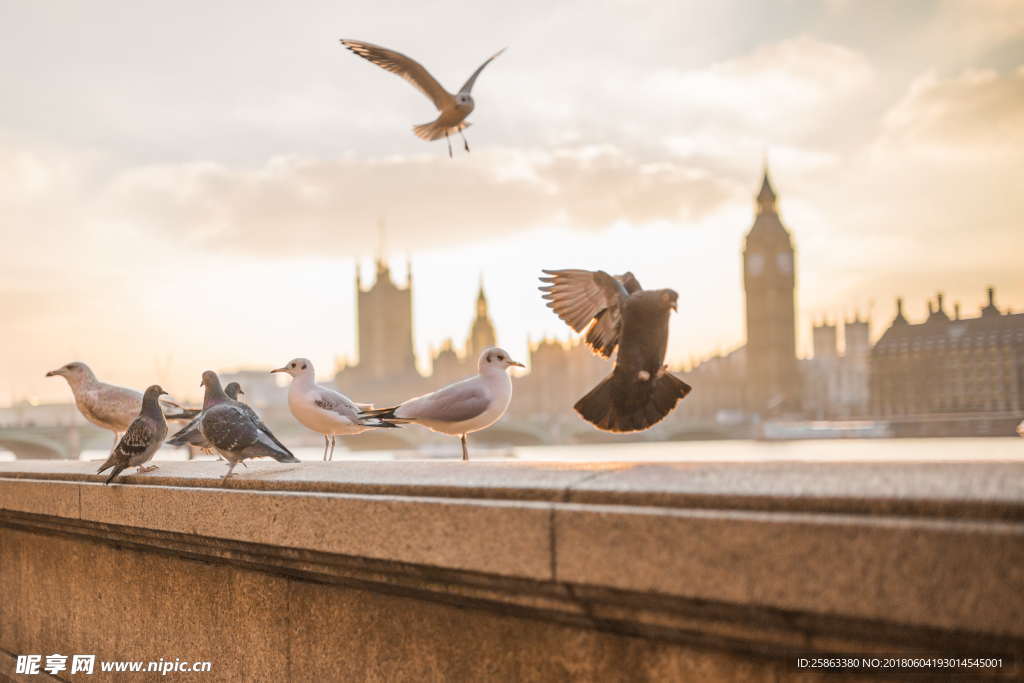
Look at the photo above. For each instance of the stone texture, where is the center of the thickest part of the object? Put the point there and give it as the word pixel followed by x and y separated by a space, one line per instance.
pixel 966 575
pixel 499 537
pixel 59 499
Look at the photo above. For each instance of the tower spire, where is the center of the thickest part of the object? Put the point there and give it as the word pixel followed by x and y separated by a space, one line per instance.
pixel 766 197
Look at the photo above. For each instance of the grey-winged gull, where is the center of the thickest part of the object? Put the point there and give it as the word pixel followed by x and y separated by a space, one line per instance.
pixel 325 411
pixel 464 407
pixel 141 440
pixel 454 108
pixel 107 405
pixel 617 311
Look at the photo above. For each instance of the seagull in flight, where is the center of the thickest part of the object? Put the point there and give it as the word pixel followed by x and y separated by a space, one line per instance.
pixel 324 410
pixel 461 408
pixel 618 312
pixel 454 108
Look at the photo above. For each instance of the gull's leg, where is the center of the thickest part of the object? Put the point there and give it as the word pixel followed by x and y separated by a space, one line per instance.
pixel 465 449
pixel 449 144
pixel 464 143
pixel 333 437
pixel 326 442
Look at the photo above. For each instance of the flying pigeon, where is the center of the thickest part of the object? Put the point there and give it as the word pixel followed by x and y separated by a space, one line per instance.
pixel 109 406
pixel 618 312
pixel 454 108
pixel 324 410
pixel 458 409
pixel 234 430
pixel 142 439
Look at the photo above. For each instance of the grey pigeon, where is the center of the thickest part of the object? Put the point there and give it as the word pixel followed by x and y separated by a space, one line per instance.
pixel 234 430
pixel 107 405
pixel 618 312
pixel 190 434
pixel 453 108
pixel 141 440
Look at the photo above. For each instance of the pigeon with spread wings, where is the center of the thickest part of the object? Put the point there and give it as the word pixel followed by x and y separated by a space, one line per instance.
pixel 454 108
pixel 616 312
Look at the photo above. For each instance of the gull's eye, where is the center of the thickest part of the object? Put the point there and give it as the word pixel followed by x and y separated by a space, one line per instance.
pixel 501 357
pixel 291 365
pixel 303 366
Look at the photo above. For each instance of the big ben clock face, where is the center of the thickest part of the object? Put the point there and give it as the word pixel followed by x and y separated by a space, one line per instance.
pixel 755 263
pixel 785 261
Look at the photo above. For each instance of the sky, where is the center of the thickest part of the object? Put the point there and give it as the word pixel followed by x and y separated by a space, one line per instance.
pixel 192 185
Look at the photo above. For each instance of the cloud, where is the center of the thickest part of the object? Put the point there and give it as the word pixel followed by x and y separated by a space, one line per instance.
pixel 290 206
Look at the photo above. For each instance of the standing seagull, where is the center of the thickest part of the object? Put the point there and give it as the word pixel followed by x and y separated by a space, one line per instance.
pixel 234 430
pixel 109 406
pixel 144 436
pixel 458 409
pixel 617 311
pixel 324 410
pixel 454 108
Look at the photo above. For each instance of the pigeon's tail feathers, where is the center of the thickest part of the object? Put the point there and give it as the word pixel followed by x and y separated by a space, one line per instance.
pixel 436 130
pixel 108 463
pixel 384 416
pixel 184 414
pixel 113 473
pixel 630 404
pixel 267 446
pixel 188 435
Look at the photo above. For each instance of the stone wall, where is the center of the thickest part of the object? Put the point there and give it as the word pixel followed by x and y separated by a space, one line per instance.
pixel 510 571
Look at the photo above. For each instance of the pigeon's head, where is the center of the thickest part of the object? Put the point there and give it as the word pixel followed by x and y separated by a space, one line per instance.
pixel 153 393
pixel 234 390
pixel 497 359
pixel 465 101
pixel 296 367
pixel 210 379
pixel 72 372
pixel 668 299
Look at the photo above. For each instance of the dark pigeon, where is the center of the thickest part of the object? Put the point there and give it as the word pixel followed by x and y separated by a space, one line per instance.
pixel 618 312
pixel 190 434
pixel 141 440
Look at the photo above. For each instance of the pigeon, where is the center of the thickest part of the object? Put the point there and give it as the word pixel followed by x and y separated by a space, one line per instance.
pixel 458 409
pixel 454 108
pixel 618 312
pixel 108 406
pixel 141 440
pixel 191 436
pixel 324 410
pixel 234 430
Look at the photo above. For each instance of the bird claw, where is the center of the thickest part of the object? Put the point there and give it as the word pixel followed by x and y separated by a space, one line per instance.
pixel 142 469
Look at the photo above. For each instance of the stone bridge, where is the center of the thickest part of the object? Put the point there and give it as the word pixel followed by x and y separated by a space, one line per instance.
pixel 58 442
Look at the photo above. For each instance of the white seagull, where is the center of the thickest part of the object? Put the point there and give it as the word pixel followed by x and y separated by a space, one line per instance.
pixel 454 108
pixel 461 408
pixel 109 406
pixel 324 410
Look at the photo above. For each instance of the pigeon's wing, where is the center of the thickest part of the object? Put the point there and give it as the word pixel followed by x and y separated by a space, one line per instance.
pixel 190 434
pixel 140 437
pixel 585 298
pixel 467 87
pixel 457 402
pixel 629 282
pixel 406 67
pixel 264 429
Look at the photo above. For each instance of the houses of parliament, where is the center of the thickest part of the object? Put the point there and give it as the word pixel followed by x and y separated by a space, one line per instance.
pixel 940 375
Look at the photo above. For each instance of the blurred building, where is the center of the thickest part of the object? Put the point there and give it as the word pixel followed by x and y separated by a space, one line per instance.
pixel 946 367
pixel 769 281
pixel 561 373
pixel 836 385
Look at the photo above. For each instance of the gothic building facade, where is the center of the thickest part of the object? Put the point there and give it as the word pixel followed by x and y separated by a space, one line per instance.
pixel 769 282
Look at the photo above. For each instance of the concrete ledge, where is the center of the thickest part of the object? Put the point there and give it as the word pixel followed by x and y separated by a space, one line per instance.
pixel 755 560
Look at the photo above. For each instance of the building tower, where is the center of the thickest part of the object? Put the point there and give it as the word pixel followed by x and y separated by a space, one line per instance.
pixel 384 314
pixel 481 334
pixel 773 381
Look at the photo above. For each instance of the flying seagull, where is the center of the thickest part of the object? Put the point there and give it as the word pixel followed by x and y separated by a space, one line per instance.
pixel 190 434
pixel 454 108
pixel 142 439
pixel 109 406
pixel 458 409
pixel 618 312
pixel 234 430
pixel 324 410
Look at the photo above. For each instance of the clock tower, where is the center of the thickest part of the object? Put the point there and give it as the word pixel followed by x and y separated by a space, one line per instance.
pixel 769 280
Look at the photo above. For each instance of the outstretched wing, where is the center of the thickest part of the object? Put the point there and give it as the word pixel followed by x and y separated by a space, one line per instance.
pixel 585 298
pixel 406 67
pixel 467 87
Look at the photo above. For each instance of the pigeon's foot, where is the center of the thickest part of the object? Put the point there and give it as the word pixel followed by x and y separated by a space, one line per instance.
pixel 147 468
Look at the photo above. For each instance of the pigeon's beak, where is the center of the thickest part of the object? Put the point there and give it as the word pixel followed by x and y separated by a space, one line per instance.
pixel 675 306
pixel 279 370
